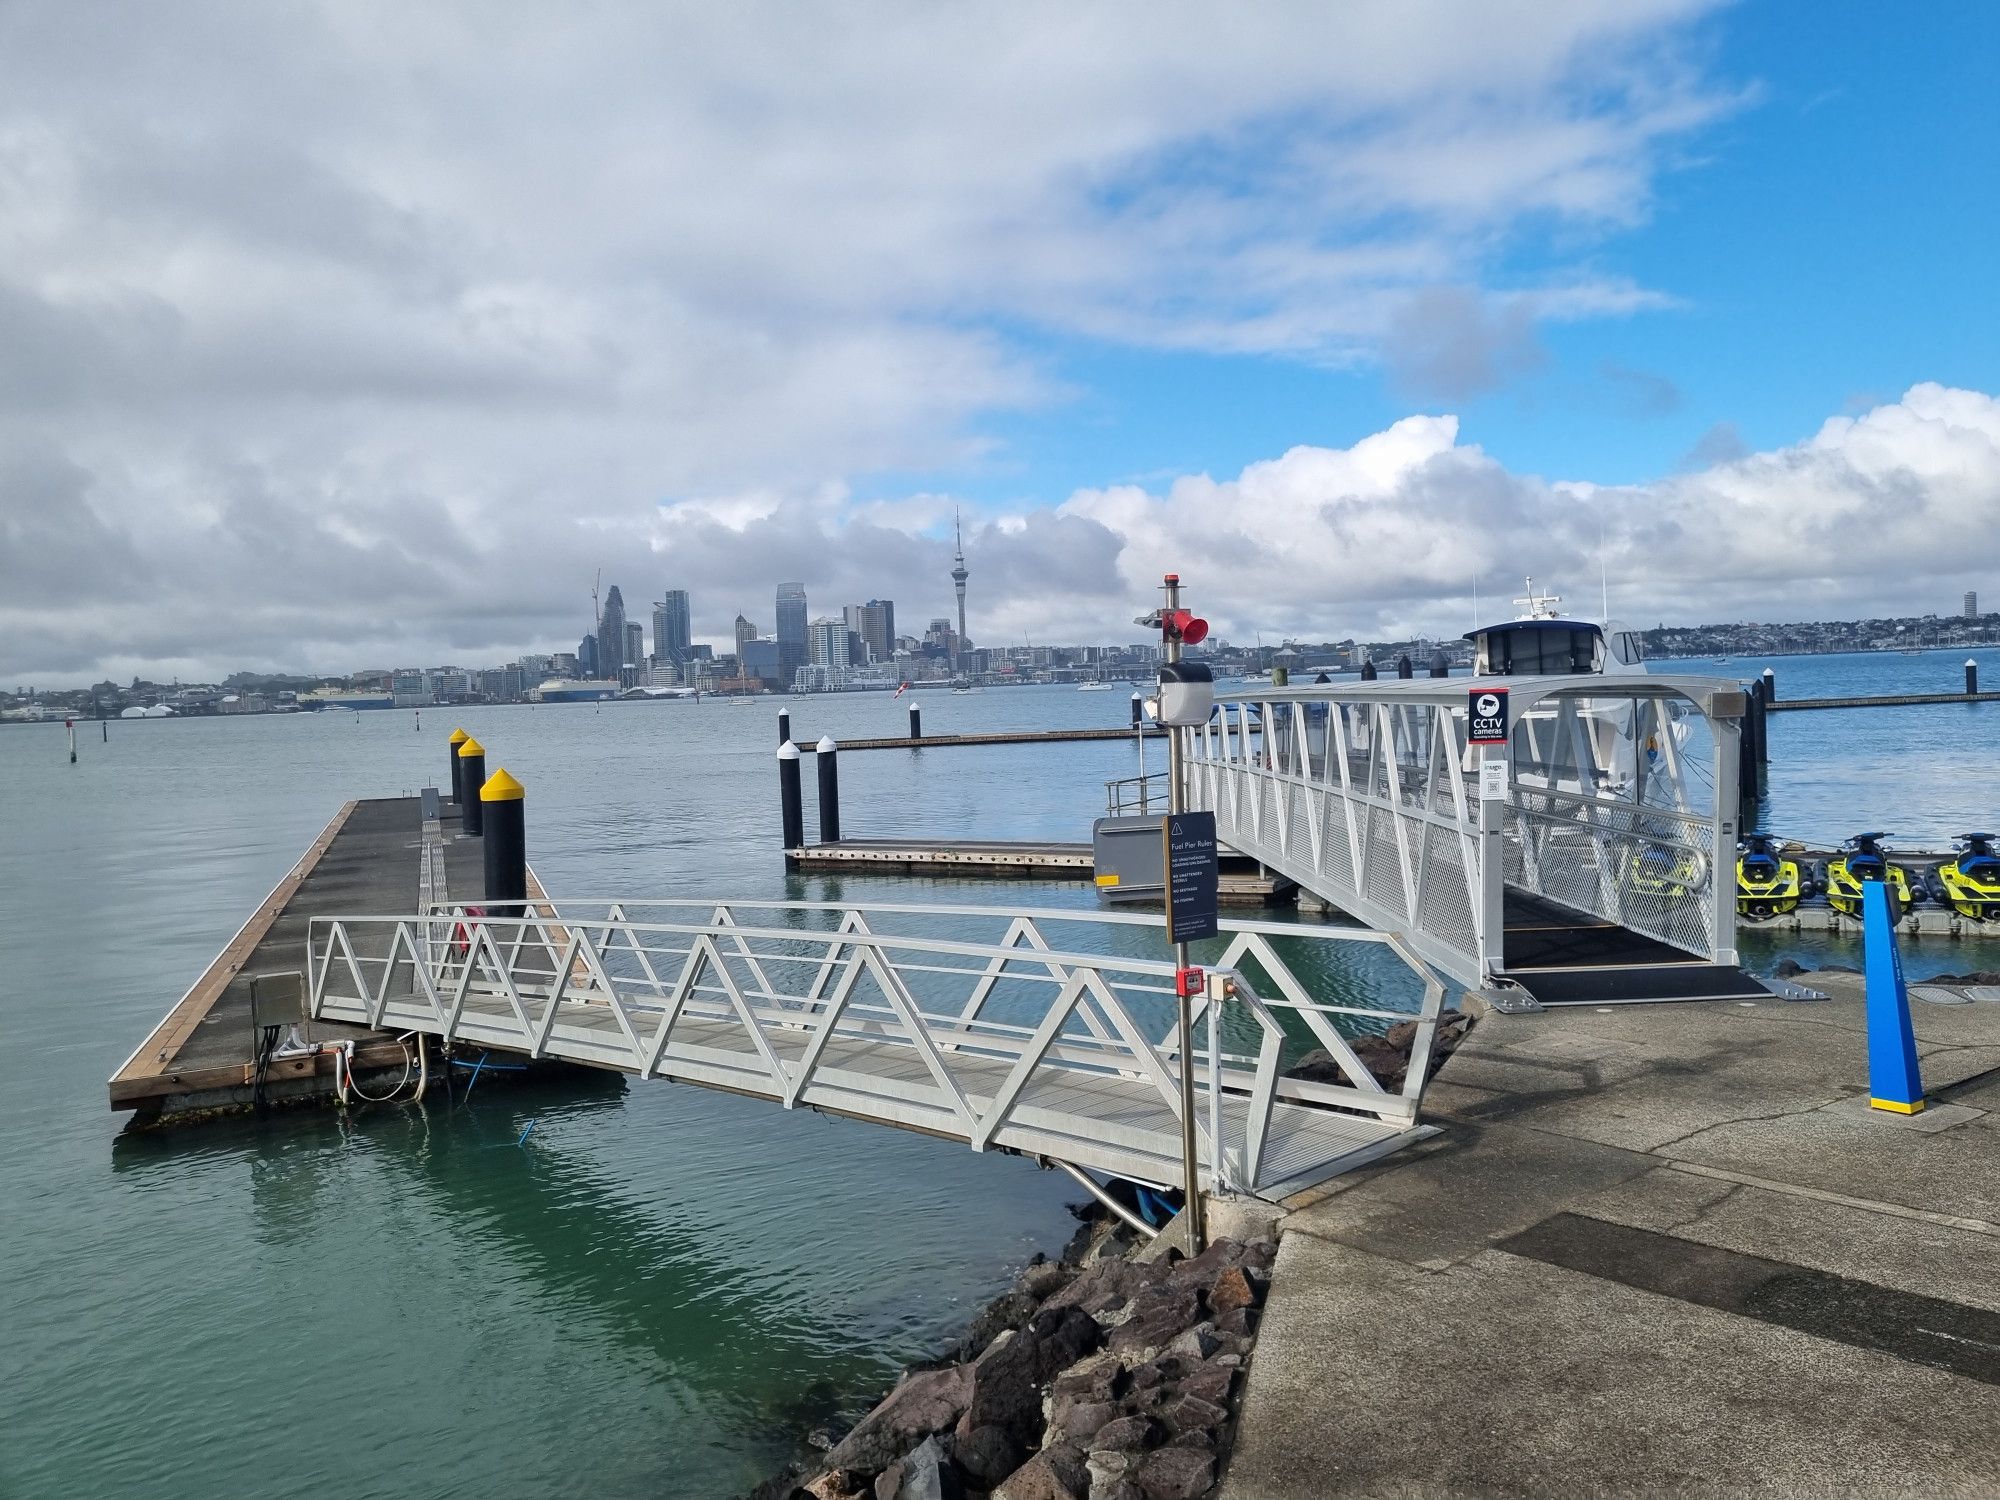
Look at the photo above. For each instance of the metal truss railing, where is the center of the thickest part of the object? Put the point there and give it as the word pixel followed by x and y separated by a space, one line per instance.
pixel 1362 803
pixel 1045 1032
pixel 1616 797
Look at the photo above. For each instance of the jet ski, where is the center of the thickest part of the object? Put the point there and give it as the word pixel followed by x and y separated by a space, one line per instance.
pixel 1859 860
pixel 1666 872
pixel 1767 883
pixel 1969 882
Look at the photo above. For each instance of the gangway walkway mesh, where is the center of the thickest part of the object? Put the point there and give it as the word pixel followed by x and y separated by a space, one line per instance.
pixel 1612 805
pixel 1044 1032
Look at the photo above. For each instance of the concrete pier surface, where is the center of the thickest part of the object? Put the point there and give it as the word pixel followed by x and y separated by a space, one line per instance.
pixel 1655 1250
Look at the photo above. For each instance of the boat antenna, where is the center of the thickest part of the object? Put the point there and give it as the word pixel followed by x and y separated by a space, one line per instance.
pixel 1603 573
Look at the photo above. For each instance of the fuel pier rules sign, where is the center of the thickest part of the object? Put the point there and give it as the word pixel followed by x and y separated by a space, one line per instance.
pixel 1193 872
pixel 1486 714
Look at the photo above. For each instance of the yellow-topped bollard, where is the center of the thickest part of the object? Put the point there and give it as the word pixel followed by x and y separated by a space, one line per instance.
pixel 503 809
pixel 471 777
pixel 458 737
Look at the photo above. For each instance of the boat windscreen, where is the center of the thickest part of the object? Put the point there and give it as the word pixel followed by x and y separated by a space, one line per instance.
pixel 1532 649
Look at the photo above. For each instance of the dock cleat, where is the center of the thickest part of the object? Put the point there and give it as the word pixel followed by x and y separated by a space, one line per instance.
pixel 1767 883
pixel 1969 882
pixel 1860 860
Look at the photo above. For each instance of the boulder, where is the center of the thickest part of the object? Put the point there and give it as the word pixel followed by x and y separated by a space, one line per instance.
pixel 1056 1473
pixel 1108 1469
pixel 1236 1322
pixel 1196 1344
pixel 1007 1379
pixel 1129 1434
pixel 837 1484
pixel 1158 1314
pixel 1231 1289
pixel 1176 1473
pixel 1107 1283
pixel 1078 1421
pixel 925 1473
pixel 1041 1280
pixel 1191 1413
pixel 925 1402
pixel 1155 1373
pixel 1210 1382
pixel 988 1454
pixel 1094 1378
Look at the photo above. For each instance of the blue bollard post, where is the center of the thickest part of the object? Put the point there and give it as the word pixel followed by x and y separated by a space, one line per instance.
pixel 1893 1082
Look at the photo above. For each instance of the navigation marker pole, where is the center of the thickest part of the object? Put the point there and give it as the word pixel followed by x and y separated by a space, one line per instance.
pixel 1175 627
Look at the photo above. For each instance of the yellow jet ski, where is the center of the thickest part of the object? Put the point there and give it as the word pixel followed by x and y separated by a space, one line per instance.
pixel 1969 882
pixel 1767 883
pixel 1859 860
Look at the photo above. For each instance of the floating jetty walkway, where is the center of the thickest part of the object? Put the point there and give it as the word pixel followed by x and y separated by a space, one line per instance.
pixel 374 855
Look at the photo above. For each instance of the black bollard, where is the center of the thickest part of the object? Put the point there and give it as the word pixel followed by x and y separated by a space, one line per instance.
pixel 505 805
pixel 1770 686
pixel 1368 672
pixel 829 790
pixel 784 726
pixel 916 721
pixel 1138 710
pixel 1971 677
pixel 791 801
pixel 458 737
pixel 1439 666
pixel 1757 707
pixel 1403 668
pixel 471 777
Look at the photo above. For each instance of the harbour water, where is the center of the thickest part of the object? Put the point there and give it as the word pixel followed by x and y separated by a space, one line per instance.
pixel 656 1291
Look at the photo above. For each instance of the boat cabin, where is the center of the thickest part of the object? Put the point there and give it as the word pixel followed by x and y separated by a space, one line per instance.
pixel 1541 643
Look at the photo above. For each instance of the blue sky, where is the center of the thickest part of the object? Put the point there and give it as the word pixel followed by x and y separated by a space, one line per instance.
pixel 347 334
pixel 1830 241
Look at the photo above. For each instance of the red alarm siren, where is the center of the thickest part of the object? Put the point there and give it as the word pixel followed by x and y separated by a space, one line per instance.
pixel 1184 626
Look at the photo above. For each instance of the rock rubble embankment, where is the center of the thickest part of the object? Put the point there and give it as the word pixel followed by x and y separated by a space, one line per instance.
pixel 1110 1381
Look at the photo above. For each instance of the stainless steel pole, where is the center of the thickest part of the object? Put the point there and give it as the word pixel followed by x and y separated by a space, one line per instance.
pixel 1176 803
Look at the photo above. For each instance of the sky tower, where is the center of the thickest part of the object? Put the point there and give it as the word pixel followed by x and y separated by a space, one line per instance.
pixel 958 577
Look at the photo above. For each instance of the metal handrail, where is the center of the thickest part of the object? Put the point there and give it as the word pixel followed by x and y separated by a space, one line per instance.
pixel 536 981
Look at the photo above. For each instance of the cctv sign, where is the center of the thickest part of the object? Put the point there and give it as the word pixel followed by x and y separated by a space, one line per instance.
pixel 1486 714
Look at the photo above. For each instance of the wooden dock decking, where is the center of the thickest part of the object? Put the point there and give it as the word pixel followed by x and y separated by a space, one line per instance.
pixel 1887 700
pixel 1243 882
pixel 807 743
pixel 202 1054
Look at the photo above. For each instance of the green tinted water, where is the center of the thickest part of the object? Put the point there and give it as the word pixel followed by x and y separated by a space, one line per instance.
pixel 657 1292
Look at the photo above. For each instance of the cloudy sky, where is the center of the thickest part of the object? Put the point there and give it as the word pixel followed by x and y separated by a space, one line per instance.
pixel 363 333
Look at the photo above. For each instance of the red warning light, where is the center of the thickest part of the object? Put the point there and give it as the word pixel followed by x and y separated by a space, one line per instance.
pixel 1184 626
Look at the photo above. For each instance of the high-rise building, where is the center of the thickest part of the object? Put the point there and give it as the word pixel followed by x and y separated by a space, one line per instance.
pixel 828 643
pixel 635 644
pixel 791 630
pixel 1971 604
pixel 875 623
pixel 611 635
pixel 958 577
pixel 586 656
pixel 673 631
pixel 745 633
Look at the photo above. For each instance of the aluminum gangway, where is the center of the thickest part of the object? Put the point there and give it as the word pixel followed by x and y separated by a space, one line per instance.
pixel 1588 859
pixel 1043 1032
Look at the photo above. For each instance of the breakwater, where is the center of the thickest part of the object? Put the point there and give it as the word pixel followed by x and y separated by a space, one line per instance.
pixel 1111 1371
